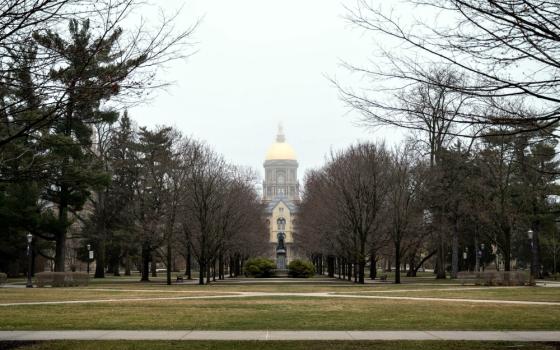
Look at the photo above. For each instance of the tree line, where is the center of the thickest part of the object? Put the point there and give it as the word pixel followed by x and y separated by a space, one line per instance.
pixel 477 94
pixel 172 196
pixel 75 170
pixel 390 208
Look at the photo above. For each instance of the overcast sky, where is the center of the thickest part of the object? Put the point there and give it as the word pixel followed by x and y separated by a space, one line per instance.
pixel 260 63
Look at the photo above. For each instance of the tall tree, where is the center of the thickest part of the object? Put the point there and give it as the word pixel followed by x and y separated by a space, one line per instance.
pixel 489 42
pixel 152 192
pixel 404 206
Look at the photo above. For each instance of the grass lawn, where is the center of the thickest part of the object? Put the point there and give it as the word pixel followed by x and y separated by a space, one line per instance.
pixel 513 293
pixel 295 345
pixel 282 313
pixel 277 312
pixel 66 294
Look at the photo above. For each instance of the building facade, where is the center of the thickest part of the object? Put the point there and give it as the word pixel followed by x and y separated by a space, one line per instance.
pixel 281 194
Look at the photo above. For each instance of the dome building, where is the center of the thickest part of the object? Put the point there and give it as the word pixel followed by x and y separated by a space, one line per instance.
pixel 280 194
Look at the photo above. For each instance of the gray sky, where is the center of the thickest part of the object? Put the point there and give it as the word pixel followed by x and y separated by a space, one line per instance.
pixel 260 63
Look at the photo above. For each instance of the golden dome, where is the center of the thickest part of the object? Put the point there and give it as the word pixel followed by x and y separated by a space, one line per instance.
pixel 280 150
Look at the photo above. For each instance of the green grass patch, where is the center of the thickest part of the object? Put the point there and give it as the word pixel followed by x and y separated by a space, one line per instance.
pixel 285 345
pixel 507 293
pixel 281 313
pixel 13 295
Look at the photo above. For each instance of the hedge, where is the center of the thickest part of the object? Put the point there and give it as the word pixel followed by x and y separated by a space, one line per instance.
pixel 61 279
pixel 3 278
pixel 260 267
pixel 301 269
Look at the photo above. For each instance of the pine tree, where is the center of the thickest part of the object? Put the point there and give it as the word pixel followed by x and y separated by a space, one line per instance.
pixel 88 72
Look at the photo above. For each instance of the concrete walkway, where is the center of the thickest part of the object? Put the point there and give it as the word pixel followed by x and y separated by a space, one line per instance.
pixel 517 336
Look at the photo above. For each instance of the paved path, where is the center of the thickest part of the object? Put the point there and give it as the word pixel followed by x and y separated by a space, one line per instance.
pixel 267 294
pixel 518 336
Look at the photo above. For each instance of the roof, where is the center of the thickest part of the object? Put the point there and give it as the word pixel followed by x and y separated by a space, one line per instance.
pixel 281 199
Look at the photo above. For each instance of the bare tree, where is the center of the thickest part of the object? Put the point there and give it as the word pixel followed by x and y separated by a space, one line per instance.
pixel 404 205
pixel 353 187
pixel 142 49
pixel 502 48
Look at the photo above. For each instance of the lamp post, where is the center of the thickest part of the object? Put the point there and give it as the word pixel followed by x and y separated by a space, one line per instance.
pixel 88 257
pixel 29 261
pixel 482 256
pixel 530 234
pixel 465 256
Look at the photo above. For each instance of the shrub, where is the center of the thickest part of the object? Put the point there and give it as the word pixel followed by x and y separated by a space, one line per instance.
pixel 61 279
pixel 301 269
pixel 3 278
pixel 259 267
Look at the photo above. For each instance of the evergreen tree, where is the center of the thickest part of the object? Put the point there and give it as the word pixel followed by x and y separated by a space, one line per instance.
pixel 89 71
pixel 154 149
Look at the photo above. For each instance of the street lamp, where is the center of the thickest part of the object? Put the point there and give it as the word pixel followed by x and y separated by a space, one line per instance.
pixel 29 261
pixel 482 256
pixel 530 235
pixel 88 257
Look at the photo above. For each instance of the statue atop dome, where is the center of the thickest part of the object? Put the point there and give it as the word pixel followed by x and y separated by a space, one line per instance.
pixel 280 137
pixel 280 150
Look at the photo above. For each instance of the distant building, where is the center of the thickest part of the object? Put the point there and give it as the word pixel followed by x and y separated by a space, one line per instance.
pixel 281 194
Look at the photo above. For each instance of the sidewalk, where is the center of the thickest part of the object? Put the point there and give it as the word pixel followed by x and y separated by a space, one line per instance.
pixel 518 336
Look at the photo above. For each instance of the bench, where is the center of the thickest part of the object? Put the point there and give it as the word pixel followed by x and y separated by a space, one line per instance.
pixel 383 278
pixel 496 278
pixel 468 277
pixel 180 279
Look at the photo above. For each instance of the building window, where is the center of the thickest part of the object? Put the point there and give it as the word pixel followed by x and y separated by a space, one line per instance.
pixel 281 178
pixel 281 224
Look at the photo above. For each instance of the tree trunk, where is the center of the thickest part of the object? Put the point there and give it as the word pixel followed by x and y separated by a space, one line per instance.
pixel 397 261
pixel 201 269
pixel 99 255
pixel 127 263
pixel 372 266
pixel 214 270
pixel 188 262
pixel 146 257
pixel 331 265
pixel 455 250
pixel 507 249
pixel 169 262
pixel 116 267
pixel 60 248
pixel 411 264
pixel 536 255
pixel 440 265
pixel 153 267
